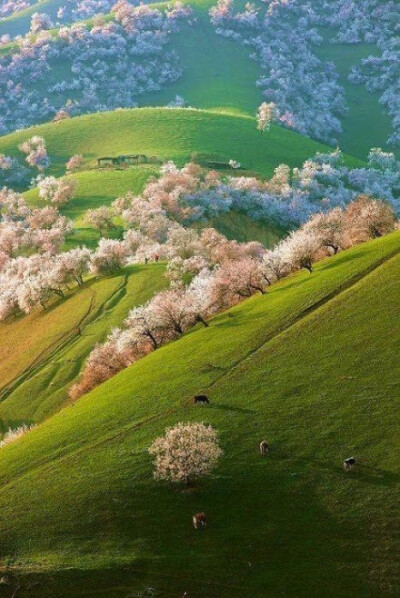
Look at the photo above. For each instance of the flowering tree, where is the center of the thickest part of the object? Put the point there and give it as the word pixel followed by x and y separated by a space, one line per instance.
pixel 186 452
pixel 267 113
pixel 101 219
pixel 36 153
pixel 75 163
pixel 329 227
pixel 367 219
pixel 300 249
pixel 109 256
pixel 40 22
pixel 57 191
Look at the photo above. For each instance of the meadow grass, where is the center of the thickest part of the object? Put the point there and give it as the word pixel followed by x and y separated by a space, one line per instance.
pixel 41 355
pixel 301 367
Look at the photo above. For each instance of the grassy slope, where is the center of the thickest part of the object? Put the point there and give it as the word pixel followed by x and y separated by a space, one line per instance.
pixel 97 188
pixel 168 134
pixel 289 367
pixel 36 369
pixel 19 23
pixel 366 125
pixel 212 65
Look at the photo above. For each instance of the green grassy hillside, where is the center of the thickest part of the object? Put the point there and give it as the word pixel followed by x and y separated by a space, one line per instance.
pixel 78 491
pixel 173 134
pixel 42 354
pixel 212 65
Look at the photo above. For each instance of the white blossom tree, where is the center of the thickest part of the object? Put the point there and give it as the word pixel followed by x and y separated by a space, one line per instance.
pixel 267 113
pixel 186 452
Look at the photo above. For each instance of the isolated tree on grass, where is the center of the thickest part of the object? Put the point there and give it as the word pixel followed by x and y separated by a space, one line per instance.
pixel 186 452
pixel 267 114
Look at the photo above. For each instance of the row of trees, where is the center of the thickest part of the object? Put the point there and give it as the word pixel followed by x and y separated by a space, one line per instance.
pixel 289 198
pixel 222 273
pixel 108 65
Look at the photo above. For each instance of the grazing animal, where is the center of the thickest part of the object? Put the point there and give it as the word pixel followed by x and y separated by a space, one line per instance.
pixel 201 399
pixel 199 520
pixel 264 448
pixel 348 464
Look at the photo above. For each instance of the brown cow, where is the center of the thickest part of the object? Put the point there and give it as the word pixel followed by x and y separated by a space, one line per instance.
pixel 264 448
pixel 199 520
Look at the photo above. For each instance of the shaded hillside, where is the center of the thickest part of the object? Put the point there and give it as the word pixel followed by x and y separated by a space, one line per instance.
pixel 301 367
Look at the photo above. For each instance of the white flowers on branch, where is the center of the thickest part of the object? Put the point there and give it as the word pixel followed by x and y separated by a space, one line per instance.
pixel 185 453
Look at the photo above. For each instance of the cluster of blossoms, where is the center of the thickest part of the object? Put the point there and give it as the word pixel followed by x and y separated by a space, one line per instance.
pixel 108 65
pixel 56 191
pixel 208 273
pixel 381 25
pixel 13 173
pixel 26 282
pixel 14 433
pixel 186 452
pixel 288 199
pixel 10 7
pixel 304 88
pixel 36 153
pixel 23 229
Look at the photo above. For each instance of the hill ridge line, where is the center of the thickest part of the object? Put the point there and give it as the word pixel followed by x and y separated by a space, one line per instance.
pixel 56 460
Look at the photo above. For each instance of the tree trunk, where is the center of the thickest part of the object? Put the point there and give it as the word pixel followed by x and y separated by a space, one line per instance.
pixel 202 320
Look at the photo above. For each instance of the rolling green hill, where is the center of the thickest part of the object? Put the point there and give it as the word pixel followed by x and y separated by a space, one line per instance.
pixel 174 134
pixel 42 354
pixel 168 133
pixel 301 367
pixel 212 65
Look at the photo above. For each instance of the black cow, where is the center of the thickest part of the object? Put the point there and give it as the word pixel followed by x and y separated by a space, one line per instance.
pixel 348 464
pixel 201 399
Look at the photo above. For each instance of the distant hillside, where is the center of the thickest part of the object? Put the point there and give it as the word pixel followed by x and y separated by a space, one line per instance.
pixel 218 74
pixel 169 133
pixel 302 367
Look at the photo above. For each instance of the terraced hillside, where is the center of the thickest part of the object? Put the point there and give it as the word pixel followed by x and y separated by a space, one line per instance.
pixel 37 368
pixel 77 493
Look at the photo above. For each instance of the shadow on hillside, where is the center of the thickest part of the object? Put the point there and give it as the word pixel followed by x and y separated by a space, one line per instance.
pixel 268 534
